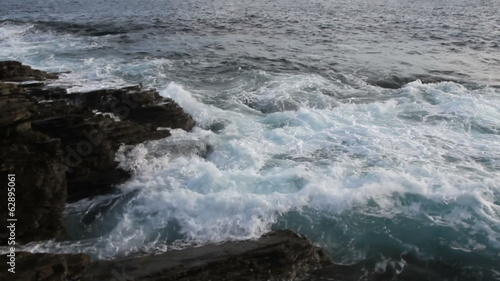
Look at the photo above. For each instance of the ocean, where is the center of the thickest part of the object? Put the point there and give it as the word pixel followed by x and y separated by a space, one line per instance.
pixel 371 127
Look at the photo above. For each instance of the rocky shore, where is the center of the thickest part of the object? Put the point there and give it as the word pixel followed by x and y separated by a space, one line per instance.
pixel 61 148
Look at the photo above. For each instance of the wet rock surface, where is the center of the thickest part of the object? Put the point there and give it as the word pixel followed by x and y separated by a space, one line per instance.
pixel 37 162
pixel 280 255
pixel 61 147
pixel 405 269
pixel 46 267
pixel 16 71
pixel 396 82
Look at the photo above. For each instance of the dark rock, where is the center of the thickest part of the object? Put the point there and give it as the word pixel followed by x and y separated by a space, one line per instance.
pixel 169 115
pixel 84 183
pixel 90 151
pixel 58 126
pixel 111 100
pixel 15 107
pixel 280 255
pixel 356 272
pixel 36 160
pixel 127 132
pixel 43 93
pixel 46 267
pixel 17 72
pixel 7 89
pixel 395 82
pixel 13 112
pixel 89 147
pixel 56 108
pixel 55 143
pixel 136 104
pixel 60 149
pixel 407 267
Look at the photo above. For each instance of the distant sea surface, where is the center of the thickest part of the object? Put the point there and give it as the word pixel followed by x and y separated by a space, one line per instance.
pixel 371 127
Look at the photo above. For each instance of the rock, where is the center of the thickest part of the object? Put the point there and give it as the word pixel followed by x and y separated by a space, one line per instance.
pixel 409 266
pixel 280 255
pixel 46 267
pixel 12 112
pixel 15 107
pixel 62 150
pixel 395 82
pixel 90 153
pixel 356 272
pixel 17 72
pixel 36 160
pixel 137 105
pixel 109 100
pixel 168 115
pixel 89 147
pixel 44 93
pixel 90 141
pixel 11 90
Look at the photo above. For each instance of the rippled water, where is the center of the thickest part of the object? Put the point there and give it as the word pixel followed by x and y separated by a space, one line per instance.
pixel 285 92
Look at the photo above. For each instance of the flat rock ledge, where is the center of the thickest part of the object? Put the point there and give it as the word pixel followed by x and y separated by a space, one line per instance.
pixel 46 267
pixel 279 255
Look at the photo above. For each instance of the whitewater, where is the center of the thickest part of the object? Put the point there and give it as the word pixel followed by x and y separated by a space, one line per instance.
pixel 291 132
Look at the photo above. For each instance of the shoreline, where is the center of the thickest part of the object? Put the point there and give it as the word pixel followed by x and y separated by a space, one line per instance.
pixel 56 145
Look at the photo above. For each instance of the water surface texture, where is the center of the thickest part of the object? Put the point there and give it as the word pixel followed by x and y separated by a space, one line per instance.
pixel 285 92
